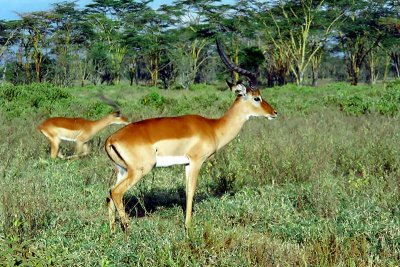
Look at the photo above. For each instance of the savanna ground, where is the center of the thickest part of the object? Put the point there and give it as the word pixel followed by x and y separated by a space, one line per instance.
pixel 318 186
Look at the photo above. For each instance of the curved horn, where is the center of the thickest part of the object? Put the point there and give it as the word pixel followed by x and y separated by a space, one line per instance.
pixel 252 76
pixel 110 102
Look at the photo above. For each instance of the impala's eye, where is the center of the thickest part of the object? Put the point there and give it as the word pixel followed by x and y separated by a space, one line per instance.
pixel 257 99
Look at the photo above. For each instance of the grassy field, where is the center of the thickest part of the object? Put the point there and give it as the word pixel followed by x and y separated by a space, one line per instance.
pixel 318 186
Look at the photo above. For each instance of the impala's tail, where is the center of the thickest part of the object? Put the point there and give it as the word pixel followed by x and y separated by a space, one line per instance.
pixel 113 153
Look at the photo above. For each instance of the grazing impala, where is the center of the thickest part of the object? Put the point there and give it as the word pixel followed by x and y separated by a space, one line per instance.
pixel 189 140
pixel 78 130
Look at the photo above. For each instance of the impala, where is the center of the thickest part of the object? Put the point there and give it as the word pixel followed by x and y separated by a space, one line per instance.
pixel 189 140
pixel 77 130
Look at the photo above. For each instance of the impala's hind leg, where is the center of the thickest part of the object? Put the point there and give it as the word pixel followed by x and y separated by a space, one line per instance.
pixel 110 203
pixel 132 163
pixel 132 176
pixel 117 194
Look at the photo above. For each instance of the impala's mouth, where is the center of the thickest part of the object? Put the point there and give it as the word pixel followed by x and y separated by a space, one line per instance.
pixel 271 117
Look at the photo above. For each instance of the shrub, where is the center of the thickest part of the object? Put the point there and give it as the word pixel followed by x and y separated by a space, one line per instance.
pixel 355 105
pixel 389 103
pixel 24 99
pixel 97 109
pixel 153 99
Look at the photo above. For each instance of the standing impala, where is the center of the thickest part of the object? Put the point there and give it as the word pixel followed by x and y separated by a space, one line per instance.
pixel 189 140
pixel 78 130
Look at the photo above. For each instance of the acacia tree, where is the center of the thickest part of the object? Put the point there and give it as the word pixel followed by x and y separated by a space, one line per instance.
pixel 360 34
pixel 191 52
pixel 391 42
pixel 153 40
pixel 110 21
pixel 8 31
pixel 66 37
pixel 299 32
pixel 133 27
pixel 34 39
pixel 239 26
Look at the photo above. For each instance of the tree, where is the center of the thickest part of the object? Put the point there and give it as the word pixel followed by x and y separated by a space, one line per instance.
pixel 109 19
pixel 33 38
pixel 300 32
pixel 360 33
pixel 391 40
pixel 66 37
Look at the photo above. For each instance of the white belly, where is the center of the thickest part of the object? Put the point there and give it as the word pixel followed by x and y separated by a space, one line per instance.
pixel 67 139
pixel 165 161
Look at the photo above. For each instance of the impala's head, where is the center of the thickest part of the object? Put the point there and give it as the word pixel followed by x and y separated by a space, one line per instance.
pixel 250 96
pixel 252 102
pixel 116 118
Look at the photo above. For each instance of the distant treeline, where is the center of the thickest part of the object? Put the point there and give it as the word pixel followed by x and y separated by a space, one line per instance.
pixel 287 41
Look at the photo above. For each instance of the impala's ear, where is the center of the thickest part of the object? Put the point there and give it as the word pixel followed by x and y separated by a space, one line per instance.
pixel 239 89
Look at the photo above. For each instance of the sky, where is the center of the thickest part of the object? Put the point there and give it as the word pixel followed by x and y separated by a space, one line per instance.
pixel 10 8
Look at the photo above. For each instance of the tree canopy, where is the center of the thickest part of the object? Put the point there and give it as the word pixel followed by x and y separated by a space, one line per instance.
pixel 173 46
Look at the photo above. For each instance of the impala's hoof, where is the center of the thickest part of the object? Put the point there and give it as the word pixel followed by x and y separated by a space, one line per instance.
pixel 125 227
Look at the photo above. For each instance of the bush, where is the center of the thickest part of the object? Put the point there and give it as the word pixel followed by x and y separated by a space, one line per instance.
pixel 24 99
pixel 97 109
pixel 153 99
pixel 355 105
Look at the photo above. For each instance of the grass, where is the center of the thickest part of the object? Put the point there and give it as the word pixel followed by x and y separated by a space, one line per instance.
pixel 319 186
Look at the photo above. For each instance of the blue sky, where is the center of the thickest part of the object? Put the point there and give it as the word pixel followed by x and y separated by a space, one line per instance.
pixel 8 8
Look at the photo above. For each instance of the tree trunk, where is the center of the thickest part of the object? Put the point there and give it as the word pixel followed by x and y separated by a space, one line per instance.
pixel 396 62
pixel 353 71
pixel 314 77
pixel 371 66
pixel 387 62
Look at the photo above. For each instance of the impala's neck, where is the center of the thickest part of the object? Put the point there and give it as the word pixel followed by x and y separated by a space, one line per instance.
pixel 102 123
pixel 229 125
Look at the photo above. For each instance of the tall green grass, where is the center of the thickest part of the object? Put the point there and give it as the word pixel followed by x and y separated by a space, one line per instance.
pixel 318 186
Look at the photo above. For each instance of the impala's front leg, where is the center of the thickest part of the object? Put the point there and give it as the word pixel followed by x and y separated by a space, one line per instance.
pixel 191 171
pixel 79 147
pixel 85 149
pixel 54 148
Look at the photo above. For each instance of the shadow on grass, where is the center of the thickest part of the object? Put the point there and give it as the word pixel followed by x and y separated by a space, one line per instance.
pixel 150 201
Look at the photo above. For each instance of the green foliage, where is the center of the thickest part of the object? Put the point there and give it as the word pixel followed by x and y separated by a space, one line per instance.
pixel 389 103
pixel 364 99
pixel 251 58
pixel 200 86
pixel 35 93
pixel 22 100
pixel 153 99
pixel 97 109
pixel 355 105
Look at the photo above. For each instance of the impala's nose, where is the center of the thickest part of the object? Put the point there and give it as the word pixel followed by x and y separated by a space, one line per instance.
pixel 273 115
